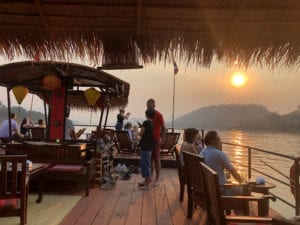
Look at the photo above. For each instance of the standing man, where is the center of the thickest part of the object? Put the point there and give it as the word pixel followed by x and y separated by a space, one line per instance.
pixel 158 132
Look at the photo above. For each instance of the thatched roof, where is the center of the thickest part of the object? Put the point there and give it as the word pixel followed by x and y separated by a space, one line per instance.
pixel 256 31
pixel 74 76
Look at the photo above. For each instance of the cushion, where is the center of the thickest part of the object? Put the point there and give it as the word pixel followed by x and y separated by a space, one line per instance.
pixel 8 203
pixel 66 168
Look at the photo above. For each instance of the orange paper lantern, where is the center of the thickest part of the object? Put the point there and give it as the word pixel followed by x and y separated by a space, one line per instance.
pixel 20 93
pixel 51 82
pixel 91 95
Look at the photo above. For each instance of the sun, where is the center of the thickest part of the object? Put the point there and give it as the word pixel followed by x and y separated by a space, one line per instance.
pixel 238 79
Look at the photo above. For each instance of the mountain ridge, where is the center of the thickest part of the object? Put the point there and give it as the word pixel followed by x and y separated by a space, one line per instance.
pixel 238 116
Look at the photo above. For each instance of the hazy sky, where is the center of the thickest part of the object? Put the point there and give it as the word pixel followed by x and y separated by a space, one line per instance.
pixel 195 88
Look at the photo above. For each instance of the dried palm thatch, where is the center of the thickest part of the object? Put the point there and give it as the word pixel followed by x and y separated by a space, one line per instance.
pixel 263 32
pixel 75 77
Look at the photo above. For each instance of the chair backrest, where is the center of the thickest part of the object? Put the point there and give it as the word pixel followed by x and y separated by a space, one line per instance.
pixel 123 140
pixel 12 176
pixel 180 166
pixel 38 133
pixel 170 140
pixel 193 175
pixel 213 195
pixel 73 135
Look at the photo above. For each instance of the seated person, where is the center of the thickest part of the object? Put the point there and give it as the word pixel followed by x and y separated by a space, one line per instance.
pixel 293 176
pixel 4 128
pixel 188 144
pixel 24 127
pixel 135 133
pixel 199 143
pixel 70 129
pixel 128 127
pixel 41 123
pixel 215 158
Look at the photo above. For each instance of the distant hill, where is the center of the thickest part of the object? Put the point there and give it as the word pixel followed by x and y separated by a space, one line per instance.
pixel 236 116
pixel 21 113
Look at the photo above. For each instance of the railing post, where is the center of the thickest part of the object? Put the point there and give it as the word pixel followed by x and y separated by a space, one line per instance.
pixel 297 186
pixel 249 163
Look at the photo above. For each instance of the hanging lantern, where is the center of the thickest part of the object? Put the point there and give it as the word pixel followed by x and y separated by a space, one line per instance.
pixel 51 82
pixel 91 95
pixel 20 93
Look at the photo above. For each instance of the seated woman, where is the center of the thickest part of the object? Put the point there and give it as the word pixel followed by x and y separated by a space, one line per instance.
pixel 24 126
pixel 188 144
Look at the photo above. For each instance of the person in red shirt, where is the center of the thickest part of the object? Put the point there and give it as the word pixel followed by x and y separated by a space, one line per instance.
pixel 158 132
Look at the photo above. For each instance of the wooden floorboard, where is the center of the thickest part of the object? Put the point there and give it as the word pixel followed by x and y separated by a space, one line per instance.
pixel 127 205
pixel 135 208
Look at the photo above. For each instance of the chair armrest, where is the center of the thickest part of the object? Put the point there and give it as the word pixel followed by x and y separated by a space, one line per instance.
pixel 249 219
pixel 229 185
pixel 27 177
pixel 247 198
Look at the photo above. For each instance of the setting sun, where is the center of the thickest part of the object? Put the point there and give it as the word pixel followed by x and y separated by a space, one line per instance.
pixel 238 79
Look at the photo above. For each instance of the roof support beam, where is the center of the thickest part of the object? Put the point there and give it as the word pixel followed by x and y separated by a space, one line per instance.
pixel 237 15
pixel 139 18
pixel 42 14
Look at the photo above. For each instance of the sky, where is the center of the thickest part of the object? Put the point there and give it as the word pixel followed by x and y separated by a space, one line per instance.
pixel 195 88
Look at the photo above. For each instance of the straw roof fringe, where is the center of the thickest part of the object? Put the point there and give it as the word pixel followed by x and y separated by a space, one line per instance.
pixel 254 32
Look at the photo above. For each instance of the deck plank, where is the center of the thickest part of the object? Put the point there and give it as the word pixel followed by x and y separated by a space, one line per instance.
pixel 178 217
pixel 162 206
pixel 149 210
pixel 79 209
pixel 134 214
pixel 93 208
pixel 119 215
pixel 103 217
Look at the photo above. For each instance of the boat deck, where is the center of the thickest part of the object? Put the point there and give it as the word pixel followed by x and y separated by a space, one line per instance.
pixel 124 204
pixel 129 206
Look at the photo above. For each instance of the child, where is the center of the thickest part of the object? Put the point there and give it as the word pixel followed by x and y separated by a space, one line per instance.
pixel 199 143
pixel 147 144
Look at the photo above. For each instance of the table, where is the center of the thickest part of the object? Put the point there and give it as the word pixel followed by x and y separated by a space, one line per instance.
pixel 80 146
pixel 263 206
pixel 38 170
pixel 14 147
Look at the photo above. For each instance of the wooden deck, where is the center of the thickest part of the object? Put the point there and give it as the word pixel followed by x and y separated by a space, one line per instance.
pixel 129 206
pixel 124 205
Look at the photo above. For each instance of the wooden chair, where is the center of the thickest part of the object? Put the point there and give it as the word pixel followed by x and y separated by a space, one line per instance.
pixel 195 186
pixel 215 201
pixel 170 140
pixel 38 133
pixel 124 144
pixel 13 187
pixel 71 166
pixel 181 173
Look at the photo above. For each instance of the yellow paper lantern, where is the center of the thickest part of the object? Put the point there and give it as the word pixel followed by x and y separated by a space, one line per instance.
pixel 51 82
pixel 20 93
pixel 91 95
